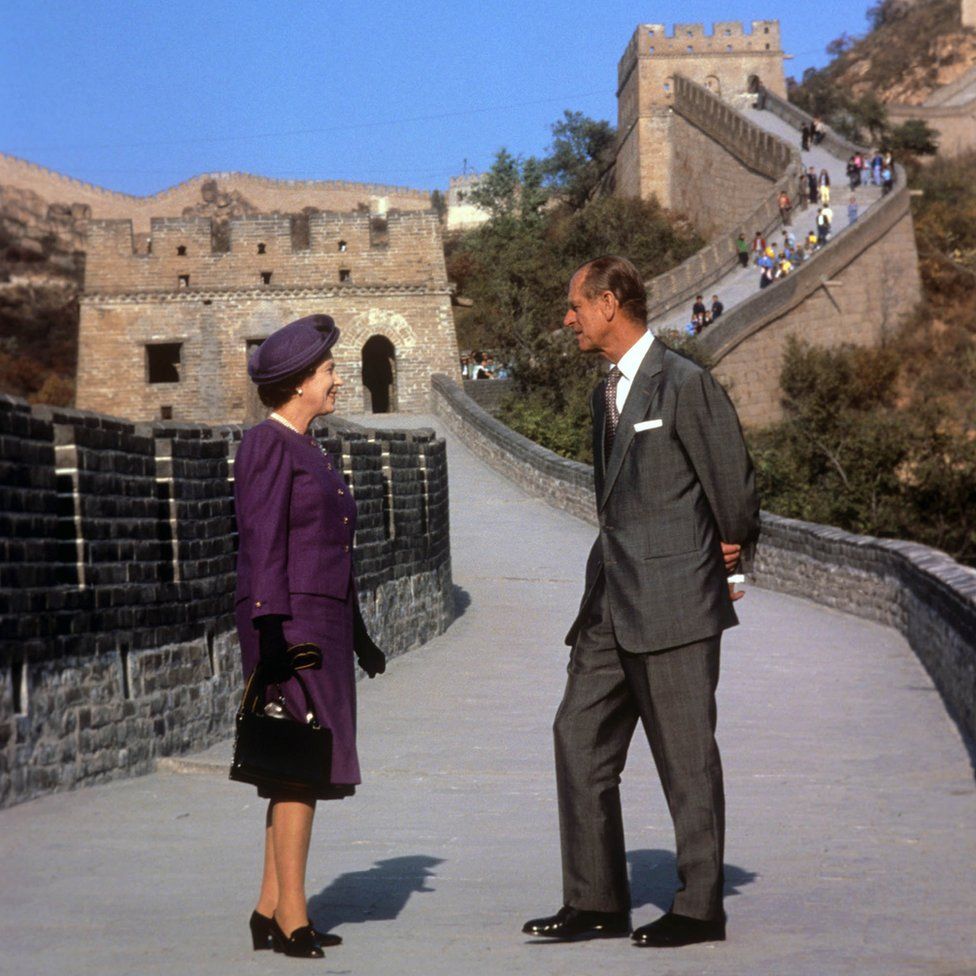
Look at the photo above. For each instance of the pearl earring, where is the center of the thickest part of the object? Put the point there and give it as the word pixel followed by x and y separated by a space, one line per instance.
pixel 299 391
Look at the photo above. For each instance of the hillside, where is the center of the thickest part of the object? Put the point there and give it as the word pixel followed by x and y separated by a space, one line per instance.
pixel 909 51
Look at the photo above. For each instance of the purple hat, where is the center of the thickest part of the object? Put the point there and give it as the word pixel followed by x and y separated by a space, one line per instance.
pixel 292 348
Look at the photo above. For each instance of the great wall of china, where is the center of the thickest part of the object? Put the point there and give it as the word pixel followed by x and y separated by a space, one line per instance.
pixel 118 533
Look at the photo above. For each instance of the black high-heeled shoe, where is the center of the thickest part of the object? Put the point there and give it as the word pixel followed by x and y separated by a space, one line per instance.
pixel 260 931
pixel 300 944
pixel 261 934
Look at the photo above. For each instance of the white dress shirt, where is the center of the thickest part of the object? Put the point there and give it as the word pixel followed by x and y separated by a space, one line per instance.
pixel 629 364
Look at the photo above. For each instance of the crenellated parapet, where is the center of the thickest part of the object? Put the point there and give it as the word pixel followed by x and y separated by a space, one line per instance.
pixel 269 251
pixel 117 638
pixel 724 60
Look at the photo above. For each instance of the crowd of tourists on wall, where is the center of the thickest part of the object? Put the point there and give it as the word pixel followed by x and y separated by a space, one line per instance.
pixel 482 366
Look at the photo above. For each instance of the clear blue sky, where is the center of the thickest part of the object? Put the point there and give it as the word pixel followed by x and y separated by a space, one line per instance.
pixel 137 96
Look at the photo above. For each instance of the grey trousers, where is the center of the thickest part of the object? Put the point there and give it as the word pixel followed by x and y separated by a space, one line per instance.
pixel 672 693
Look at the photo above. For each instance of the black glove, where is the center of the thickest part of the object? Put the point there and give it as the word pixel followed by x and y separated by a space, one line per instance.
pixel 371 659
pixel 274 661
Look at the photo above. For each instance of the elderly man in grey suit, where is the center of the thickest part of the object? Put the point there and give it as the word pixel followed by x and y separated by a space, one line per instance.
pixel 676 501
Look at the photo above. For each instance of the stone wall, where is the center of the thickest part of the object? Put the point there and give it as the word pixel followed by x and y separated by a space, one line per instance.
pixel 488 394
pixel 738 170
pixel 723 166
pixel 117 642
pixel 215 331
pixel 951 111
pixel 376 276
pixel 854 291
pixel 267 195
pixel 929 598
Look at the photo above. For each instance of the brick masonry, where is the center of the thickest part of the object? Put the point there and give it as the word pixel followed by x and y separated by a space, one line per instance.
pixel 376 276
pixel 117 641
pixel 921 592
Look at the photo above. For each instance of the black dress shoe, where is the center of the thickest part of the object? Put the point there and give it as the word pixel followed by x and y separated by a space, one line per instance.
pixel 572 925
pixel 671 931
pixel 261 934
pixel 301 943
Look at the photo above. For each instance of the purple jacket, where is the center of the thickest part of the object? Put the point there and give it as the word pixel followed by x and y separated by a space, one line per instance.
pixel 295 518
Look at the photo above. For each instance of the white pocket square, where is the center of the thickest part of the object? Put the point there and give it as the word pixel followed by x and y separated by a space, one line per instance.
pixel 647 425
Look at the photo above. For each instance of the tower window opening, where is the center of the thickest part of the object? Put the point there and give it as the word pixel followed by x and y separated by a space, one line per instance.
pixel 261 249
pixel 765 30
pixel 184 281
pixel 266 277
pixel 728 47
pixel 345 274
pixel 767 47
pixel 163 362
pixel 166 412
pixel 690 49
pixel 181 251
pixel 650 50
pixel 342 246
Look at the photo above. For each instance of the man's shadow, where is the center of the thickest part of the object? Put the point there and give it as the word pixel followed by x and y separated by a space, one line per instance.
pixel 380 892
pixel 654 878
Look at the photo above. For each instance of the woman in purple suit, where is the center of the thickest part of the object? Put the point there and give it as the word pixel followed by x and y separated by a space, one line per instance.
pixel 296 518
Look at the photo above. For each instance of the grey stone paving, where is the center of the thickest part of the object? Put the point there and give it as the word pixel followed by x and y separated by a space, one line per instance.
pixel 851 806
pixel 741 283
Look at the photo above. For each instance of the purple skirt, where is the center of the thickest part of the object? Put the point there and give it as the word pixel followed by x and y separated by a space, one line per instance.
pixel 327 623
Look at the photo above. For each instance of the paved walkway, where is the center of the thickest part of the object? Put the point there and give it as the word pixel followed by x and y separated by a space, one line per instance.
pixel 851 806
pixel 741 283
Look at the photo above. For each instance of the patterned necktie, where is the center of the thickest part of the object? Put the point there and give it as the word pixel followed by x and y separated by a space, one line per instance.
pixel 611 412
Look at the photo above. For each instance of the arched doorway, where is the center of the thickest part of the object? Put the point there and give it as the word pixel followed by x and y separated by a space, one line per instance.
pixel 379 375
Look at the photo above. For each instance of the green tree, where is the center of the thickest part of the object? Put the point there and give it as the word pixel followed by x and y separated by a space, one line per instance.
pixel 512 187
pixel 914 136
pixel 847 454
pixel 581 153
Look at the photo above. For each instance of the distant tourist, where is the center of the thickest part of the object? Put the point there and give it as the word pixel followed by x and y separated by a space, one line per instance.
pixel 819 130
pixel 717 308
pixel 742 249
pixel 852 210
pixel 785 207
pixel 758 247
pixel 823 188
pixel 699 313
pixel 877 162
pixel 887 179
pixel 813 190
pixel 805 133
pixel 479 372
pixel 466 367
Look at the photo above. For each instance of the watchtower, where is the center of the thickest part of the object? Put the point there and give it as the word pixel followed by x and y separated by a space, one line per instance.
pixel 729 62
pixel 166 330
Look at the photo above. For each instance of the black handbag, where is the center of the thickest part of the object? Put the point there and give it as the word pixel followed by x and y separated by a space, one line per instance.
pixel 282 753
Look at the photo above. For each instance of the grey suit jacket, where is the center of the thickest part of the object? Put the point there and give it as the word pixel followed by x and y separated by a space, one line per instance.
pixel 667 497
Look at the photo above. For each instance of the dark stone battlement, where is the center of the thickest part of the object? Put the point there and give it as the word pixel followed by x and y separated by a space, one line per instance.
pixel 117 640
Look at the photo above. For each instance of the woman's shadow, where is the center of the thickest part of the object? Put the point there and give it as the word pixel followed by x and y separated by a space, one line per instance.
pixel 379 892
